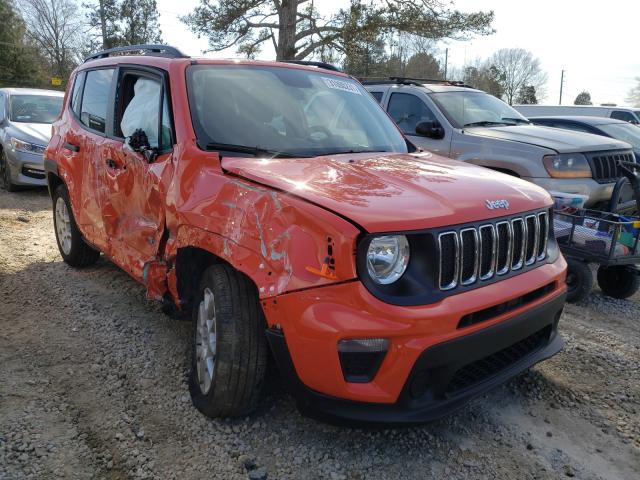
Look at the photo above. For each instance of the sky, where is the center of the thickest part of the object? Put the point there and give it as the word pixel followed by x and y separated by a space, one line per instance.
pixel 595 44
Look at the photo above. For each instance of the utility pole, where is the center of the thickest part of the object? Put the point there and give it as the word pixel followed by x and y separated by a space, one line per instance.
pixel 561 85
pixel 446 61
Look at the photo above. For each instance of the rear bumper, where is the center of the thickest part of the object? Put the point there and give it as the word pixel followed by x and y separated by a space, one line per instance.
pixel 446 375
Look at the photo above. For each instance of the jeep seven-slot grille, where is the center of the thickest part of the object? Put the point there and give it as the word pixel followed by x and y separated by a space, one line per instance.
pixel 478 253
pixel 604 167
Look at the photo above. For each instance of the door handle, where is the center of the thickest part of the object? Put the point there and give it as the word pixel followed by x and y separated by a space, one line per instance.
pixel 71 147
pixel 111 163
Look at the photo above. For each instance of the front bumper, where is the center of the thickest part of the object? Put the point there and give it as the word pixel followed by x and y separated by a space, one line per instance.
pixel 313 321
pixel 26 168
pixel 597 192
pixel 442 378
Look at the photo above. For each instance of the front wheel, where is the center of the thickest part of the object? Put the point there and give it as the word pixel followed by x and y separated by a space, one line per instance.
pixel 618 281
pixel 73 249
pixel 5 174
pixel 229 350
pixel 579 280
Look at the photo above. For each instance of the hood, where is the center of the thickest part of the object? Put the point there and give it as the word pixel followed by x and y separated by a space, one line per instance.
pixel 394 192
pixel 38 133
pixel 558 139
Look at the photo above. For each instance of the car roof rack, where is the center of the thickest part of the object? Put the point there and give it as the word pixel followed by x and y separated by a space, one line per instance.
pixel 411 81
pixel 154 50
pixel 326 66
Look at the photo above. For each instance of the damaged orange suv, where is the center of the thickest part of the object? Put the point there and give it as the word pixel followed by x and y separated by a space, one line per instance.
pixel 279 206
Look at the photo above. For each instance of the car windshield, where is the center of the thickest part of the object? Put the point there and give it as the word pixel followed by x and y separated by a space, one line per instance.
pixel 35 108
pixel 289 111
pixel 623 131
pixel 476 109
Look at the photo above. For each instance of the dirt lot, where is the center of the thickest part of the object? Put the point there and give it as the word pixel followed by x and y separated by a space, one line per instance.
pixel 93 385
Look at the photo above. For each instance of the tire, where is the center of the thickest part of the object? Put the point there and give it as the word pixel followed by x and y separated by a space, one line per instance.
pixel 618 281
pixel 5 175
pixel 579 280
pixel 73 249
pixel 238 357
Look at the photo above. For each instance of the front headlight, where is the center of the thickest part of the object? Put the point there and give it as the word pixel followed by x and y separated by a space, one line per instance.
pixel 567 165
pixel 387 258
pixel 26 146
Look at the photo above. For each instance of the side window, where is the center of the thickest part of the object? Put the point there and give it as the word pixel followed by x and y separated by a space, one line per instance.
pixel 166 137
pixel 139 97
pixel 407 111
pixel 378 96
pixel 93 112
pixel 572 126
pixel 2 107
pixel 76 93
pixel 622 115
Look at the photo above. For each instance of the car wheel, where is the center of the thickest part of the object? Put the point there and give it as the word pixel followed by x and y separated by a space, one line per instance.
pixel 618 281
pixel 579 280
pixel 74 250
pixel 5 174
pixel 229 350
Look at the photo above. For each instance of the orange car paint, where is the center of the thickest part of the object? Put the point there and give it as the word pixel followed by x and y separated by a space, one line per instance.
pixel 278 221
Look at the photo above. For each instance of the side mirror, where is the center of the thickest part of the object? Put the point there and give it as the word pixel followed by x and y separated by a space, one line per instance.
pixel 430 129
pixel 139 143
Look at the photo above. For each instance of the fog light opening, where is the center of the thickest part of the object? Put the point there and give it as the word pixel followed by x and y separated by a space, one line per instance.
pixel 360 358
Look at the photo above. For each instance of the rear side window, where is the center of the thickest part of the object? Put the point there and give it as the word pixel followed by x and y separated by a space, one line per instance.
pixel 377 96
pixel 625 116
pixel 76 94
pixel 408 110
pixel 95 99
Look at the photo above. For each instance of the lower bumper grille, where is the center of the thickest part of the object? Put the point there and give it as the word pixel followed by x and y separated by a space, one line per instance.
pixel 486 367
pixel 33 173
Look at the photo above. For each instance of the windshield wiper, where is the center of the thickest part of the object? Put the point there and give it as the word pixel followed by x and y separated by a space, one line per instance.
pixel 516 120
pixel 255 151
pixel 486 123
pixel 354 150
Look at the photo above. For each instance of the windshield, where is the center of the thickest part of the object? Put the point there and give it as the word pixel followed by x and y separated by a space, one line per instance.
pixel 285 110
pixel 623 131
pixel 35 108
pixel 468 109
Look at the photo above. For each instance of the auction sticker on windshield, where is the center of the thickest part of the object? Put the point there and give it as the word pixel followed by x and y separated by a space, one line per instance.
pixel 340 85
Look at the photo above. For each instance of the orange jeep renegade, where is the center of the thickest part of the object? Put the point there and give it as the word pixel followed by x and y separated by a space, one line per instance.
pixel 279 205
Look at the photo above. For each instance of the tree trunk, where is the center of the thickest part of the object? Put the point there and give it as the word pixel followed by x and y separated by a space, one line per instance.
pixel 288 15
pixel 103 25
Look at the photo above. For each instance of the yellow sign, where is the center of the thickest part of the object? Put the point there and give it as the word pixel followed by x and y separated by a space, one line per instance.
pixel 56 81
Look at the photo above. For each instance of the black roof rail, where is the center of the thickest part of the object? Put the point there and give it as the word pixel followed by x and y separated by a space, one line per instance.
pixel 411 81
pixel 326 66
pixel 154 50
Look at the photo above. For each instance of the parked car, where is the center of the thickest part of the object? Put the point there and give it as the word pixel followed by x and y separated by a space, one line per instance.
pixel 629 115
pixel 26 116
pixel 280 206
pixel 606 127
pixel 460 122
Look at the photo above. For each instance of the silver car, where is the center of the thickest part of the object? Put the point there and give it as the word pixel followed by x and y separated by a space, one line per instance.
pixel 26 116
pixel 470 125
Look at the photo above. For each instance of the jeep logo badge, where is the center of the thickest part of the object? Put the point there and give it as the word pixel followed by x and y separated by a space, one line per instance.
pixel 493 204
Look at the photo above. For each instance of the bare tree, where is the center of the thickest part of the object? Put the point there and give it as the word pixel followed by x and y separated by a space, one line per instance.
pixel 634 94
pixel 297 30
pixel 484 76
pixel 54 26
pixel 518 69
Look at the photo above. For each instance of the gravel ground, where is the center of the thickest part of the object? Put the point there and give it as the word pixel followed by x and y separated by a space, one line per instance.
pixel 93 385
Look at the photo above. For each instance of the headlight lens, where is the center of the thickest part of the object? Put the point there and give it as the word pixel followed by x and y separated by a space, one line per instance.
pixel 387 258
pixel 567 165
pixel 26 146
